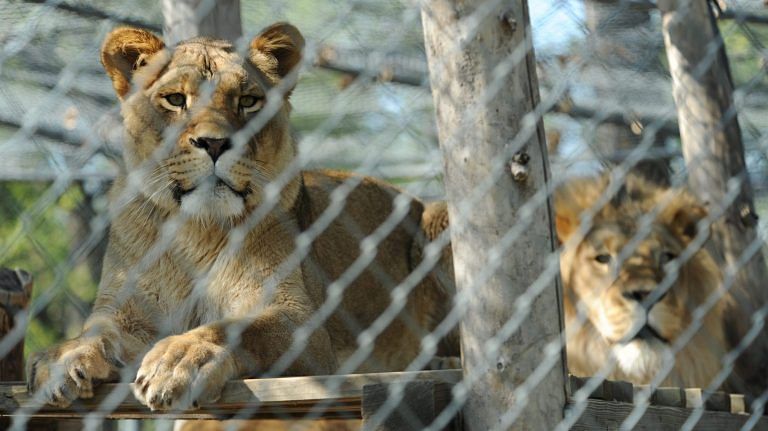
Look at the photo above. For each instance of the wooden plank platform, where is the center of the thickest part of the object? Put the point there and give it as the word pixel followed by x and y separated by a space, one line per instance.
pixel 286 397
pixel 692 398
pixel 669 408
pixel 262 398
pixel 608 415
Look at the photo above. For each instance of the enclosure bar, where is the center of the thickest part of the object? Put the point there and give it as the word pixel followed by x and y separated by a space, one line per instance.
pixel 714 156
pixel 484 85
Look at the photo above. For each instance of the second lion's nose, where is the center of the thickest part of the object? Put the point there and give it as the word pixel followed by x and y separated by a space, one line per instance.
pixel 213 146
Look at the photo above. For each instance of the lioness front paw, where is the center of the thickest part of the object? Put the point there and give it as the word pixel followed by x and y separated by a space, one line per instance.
pixel 182 372
pixel 67 371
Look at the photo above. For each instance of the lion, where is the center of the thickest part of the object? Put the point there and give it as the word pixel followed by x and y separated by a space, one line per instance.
pixel 208 274
pixel 614 274
pixel 617 273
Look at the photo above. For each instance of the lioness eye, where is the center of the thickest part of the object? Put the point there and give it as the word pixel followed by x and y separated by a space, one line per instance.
pixel 250 103
pixel 176 99
pixel 603 258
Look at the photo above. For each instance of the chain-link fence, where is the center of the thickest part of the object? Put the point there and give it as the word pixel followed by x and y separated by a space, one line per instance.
pixel 173 202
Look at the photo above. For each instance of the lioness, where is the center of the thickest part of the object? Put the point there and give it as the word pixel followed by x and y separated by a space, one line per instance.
pixel 197 284
pixel 627 319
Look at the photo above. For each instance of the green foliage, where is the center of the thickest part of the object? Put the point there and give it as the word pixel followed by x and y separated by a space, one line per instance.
pixel 742 42
pixel 38 238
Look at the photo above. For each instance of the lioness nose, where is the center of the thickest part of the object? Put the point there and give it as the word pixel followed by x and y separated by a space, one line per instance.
pixel 213 146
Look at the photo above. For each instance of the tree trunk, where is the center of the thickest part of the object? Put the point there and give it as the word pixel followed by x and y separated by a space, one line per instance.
pixel 714 156
pixel 185 19
pixel 484 86
pixel 15 291
pixel 619 36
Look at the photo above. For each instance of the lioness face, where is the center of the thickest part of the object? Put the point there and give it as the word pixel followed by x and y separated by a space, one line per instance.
pixel 183 107
pixel 619 292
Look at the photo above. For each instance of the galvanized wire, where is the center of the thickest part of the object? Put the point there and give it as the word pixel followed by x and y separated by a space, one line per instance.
pixel 24 33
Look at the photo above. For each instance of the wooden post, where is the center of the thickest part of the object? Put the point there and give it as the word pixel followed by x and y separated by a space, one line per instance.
pixel 618 38
pixel 420 404
pixel 185 19
pixel 484 84
pixel 714 155
pixel 15 291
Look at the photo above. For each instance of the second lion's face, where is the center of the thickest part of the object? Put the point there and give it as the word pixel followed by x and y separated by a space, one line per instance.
pixel 637 273
pixel 622 287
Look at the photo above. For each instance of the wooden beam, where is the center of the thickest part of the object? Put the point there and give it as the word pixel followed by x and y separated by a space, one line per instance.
pixel 264 398
pixel 607 390
pixel 608 415
pixel 743 16
pixel 421 402
pixel 715 160
pixel 485 90
pixel 15 291
pixel 359 396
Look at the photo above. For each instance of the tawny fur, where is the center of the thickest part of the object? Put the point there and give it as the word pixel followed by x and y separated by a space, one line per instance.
pixel 599 290
pixel 194 305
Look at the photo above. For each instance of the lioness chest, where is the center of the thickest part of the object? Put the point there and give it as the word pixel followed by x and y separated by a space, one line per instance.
pixel 201 276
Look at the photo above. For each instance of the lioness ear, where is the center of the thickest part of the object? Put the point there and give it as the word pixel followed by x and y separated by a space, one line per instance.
pixel 277 50
pixel 124 51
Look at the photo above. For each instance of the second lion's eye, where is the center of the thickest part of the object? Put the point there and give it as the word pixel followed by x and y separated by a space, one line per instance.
pixel 176 99
pixel 250 103
pixel 247 101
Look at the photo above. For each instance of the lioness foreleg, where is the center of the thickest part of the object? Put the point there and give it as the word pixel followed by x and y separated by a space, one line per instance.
pixel 72 369
pixel 184 371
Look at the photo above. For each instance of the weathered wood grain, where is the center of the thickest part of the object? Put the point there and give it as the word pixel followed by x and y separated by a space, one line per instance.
pixel 278 397
pixel 669 397
pixel 714 156
pixel 485 91
pixel 608 390
pixel 15 291
pixel 419 405
pixel 608 415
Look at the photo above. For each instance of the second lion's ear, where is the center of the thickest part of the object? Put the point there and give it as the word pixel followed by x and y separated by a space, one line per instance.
pixel 685 220
pixel 124 51
pixel 682 214
pixel 277 50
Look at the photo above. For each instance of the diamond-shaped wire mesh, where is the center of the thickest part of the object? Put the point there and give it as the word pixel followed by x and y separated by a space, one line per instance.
pixel 225 251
